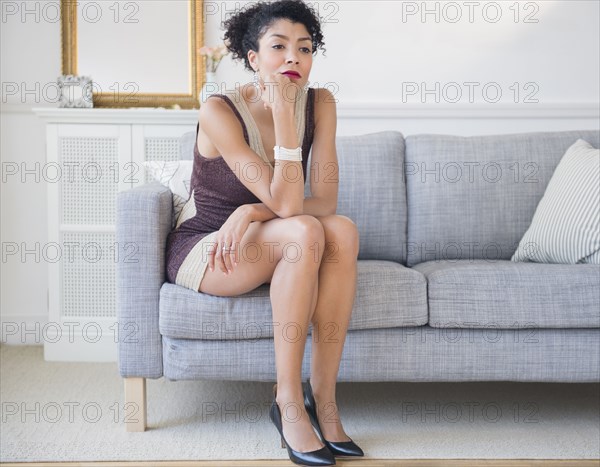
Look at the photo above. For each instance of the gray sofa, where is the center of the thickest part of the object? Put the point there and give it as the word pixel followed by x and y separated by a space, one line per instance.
pixel 438 297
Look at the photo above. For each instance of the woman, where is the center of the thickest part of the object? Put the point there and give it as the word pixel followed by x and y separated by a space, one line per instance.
pixel 245 194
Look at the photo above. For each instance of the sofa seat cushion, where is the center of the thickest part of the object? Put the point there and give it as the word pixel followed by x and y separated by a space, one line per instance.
pixel 388 295
pixel 504 294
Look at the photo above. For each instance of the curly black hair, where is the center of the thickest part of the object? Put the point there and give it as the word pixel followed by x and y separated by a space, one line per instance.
pixel 244 29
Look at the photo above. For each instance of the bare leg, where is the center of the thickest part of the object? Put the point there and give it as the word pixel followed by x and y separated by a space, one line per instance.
pixel 292 291
pixel 332 313
pixel 293 283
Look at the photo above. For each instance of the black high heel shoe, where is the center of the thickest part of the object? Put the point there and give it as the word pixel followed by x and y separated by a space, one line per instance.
pixel 338 448
pixel 321 456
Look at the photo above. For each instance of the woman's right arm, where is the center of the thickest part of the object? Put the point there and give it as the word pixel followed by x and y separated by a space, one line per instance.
pixel 280 189
pixel 258 212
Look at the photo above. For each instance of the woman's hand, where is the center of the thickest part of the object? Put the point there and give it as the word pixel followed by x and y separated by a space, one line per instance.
pixel 278 92
pixel 229 236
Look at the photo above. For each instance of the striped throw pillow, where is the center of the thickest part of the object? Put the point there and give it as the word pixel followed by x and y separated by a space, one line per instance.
pixel 566 225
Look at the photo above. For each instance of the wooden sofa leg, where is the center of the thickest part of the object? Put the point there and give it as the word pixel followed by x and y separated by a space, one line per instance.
pixel 135 404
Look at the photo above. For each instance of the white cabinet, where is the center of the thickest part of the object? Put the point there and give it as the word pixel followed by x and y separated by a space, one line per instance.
pixel 91 155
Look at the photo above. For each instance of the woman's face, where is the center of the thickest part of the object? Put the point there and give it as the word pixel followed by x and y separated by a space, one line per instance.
pixel 285 46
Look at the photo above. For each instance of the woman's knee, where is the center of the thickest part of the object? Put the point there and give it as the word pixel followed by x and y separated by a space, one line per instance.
pixel 341 235
pixel 307 233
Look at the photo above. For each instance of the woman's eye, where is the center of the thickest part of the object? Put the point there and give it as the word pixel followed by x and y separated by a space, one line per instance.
pixel 305 49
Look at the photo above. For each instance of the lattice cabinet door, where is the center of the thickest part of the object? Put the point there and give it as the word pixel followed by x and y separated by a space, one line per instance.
pixel 155 143
pixel 94 161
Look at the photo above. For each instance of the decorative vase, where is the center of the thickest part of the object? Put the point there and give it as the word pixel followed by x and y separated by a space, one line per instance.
pixel 209 87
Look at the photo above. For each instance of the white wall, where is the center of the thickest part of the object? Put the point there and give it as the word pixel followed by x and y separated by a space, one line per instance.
pixel 372 48
pixel 375 51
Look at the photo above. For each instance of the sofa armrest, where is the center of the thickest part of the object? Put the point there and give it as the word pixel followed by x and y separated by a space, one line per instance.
pixel 143 223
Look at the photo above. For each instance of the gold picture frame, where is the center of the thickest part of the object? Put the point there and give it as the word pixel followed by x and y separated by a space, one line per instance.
pixel 68 12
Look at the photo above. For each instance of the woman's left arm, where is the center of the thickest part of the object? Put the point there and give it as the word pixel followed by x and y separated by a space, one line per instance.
pixel 324 165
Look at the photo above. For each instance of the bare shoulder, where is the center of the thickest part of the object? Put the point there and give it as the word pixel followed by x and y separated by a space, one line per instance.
pixel 214 107
pixel 216 115
pixel 325 105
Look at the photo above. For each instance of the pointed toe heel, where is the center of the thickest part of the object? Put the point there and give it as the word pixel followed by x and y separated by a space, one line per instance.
pixel 320 457
pixel 337 448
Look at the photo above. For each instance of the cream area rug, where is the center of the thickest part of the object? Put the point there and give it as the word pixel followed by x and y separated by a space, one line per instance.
pixel 55 411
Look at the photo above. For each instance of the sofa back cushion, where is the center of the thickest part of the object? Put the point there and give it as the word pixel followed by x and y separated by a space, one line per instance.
pixel 474 197
pixel 371 191
pixel 187 141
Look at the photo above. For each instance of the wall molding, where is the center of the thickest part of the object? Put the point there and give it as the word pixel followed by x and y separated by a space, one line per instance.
pixel 31 329
pixel 493 111
pixel 349 110
pixel 22 329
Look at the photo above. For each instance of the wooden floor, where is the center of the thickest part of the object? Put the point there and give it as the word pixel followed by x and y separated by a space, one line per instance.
pixel 340 462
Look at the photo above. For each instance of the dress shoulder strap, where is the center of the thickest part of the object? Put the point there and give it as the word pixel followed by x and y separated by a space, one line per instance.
pixel 252 134
pixel 230 97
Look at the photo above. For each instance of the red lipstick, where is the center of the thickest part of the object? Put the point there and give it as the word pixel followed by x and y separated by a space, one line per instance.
pixel 291 74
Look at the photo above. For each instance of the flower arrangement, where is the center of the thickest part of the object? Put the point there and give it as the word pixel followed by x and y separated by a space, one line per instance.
pixel 213 55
